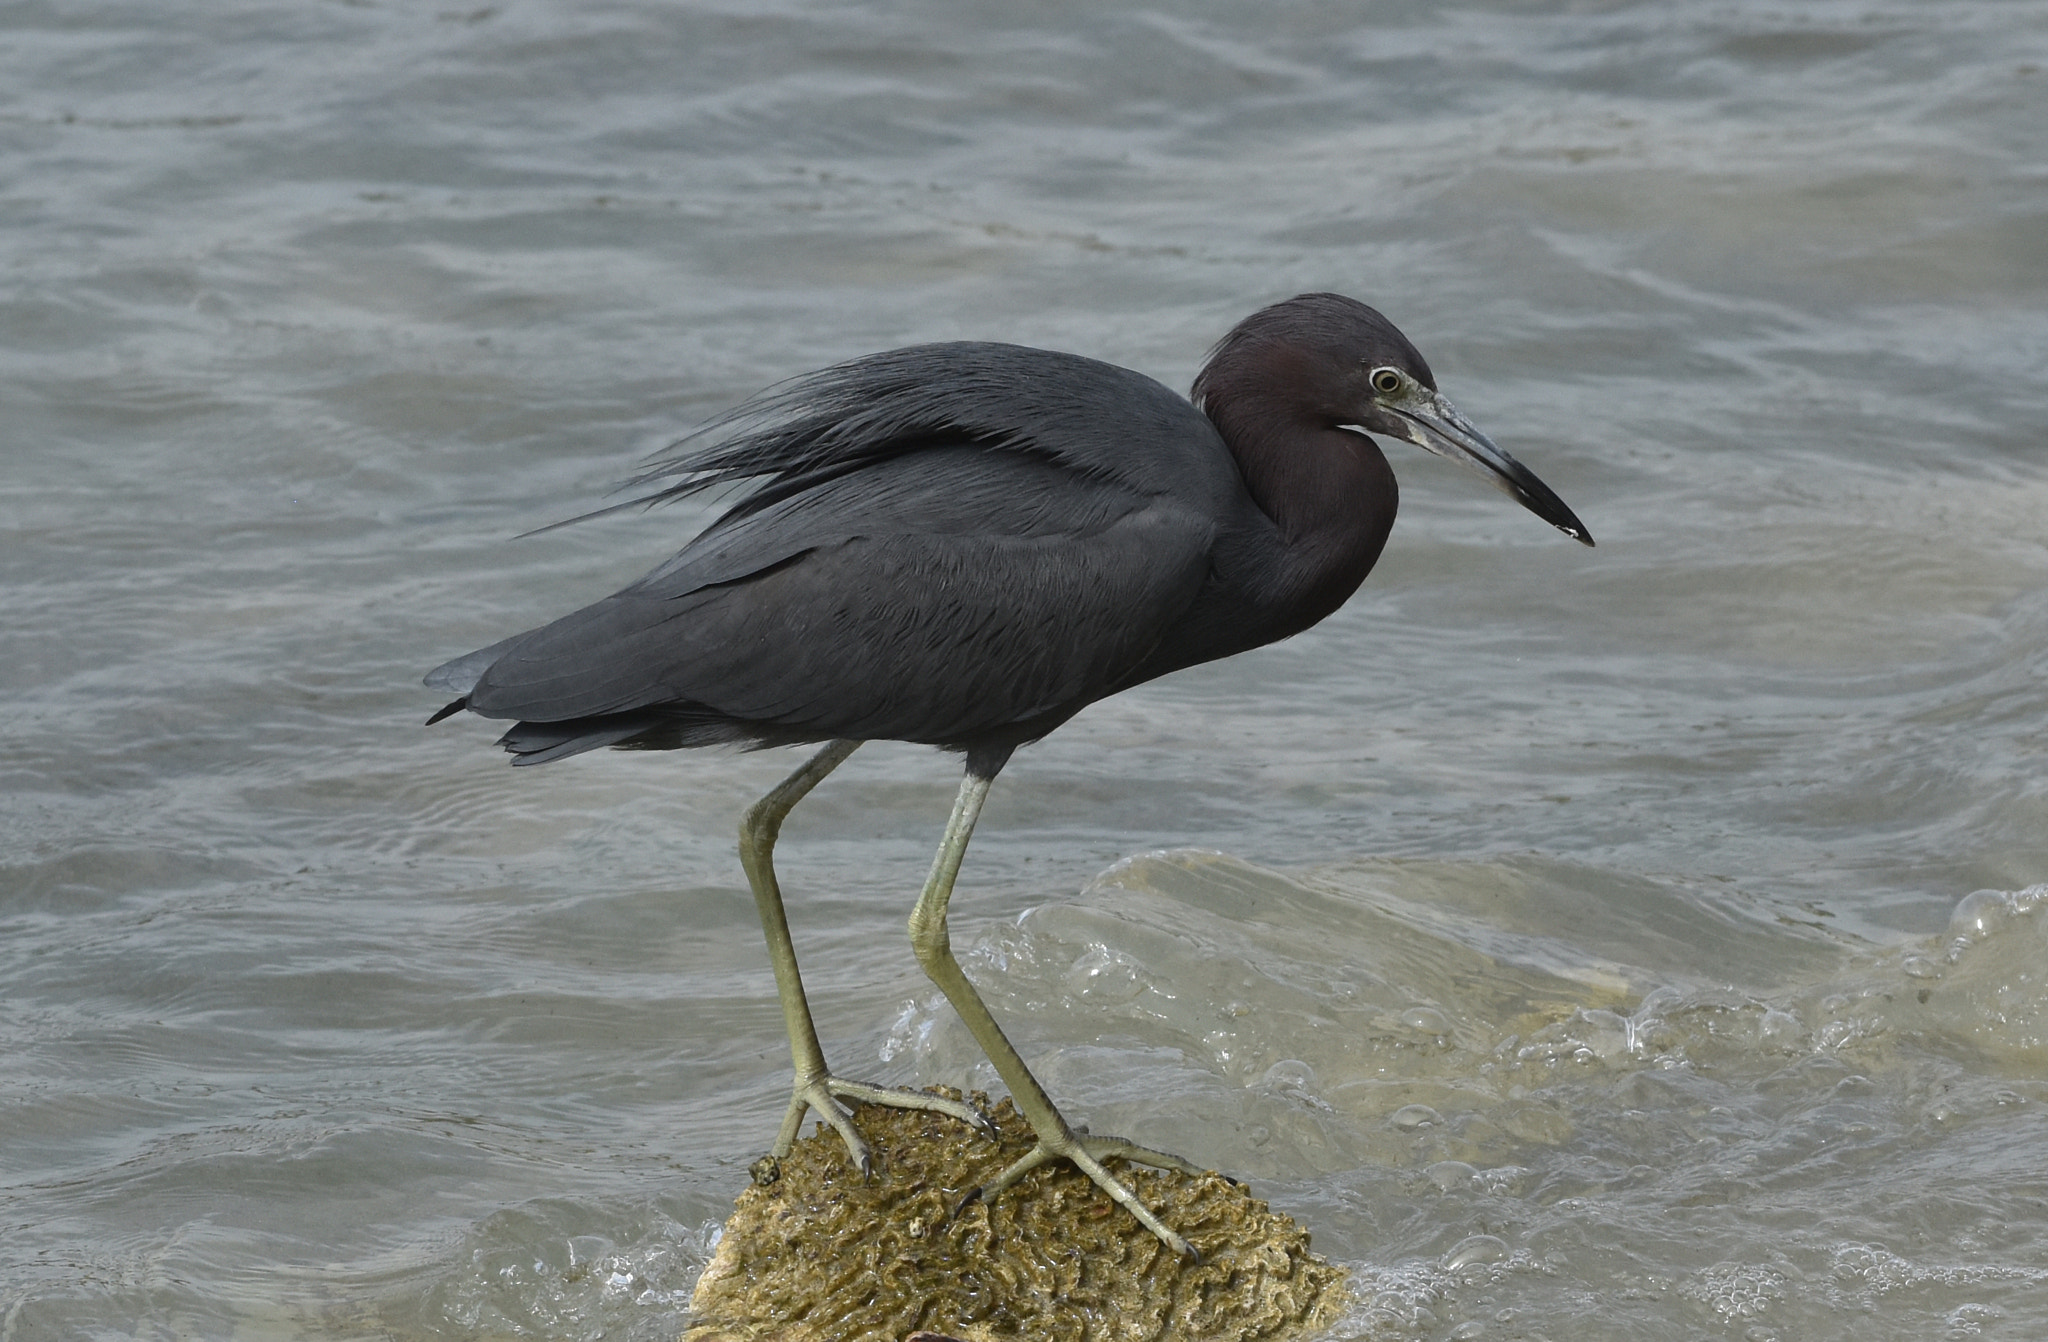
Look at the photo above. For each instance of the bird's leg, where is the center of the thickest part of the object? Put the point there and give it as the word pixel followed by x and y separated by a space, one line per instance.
pixel 1056 1140
pixel 816 1088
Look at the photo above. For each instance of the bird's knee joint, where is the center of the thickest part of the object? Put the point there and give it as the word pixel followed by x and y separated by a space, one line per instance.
pixel 929 941
pixel 759 828
pixel 759 823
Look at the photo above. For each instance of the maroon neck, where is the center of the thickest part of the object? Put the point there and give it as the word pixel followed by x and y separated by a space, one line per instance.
pixel 1329 491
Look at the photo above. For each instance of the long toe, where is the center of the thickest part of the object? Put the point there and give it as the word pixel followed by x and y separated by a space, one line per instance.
pixel 1082 1151
pixel 1116 1148
pixel 824 1096
pixel 816 1097
pixel 902 1097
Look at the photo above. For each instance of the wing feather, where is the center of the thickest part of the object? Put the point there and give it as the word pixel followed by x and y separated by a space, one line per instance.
pixel 935 544
pixel 907 609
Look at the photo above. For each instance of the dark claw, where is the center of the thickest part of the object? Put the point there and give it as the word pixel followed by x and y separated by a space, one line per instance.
pixel 765 1171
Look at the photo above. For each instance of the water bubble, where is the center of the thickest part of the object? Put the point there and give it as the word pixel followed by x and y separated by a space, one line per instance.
pixel 1410 1117
pixel 1920 967
pixel 1289 1076
pixel 1426 1020
pixel 1978 914
pixel 1222 1046
pixel 1969 1320
pixel 1468 1331
pixel 1295 1080
pixel 1102 974
pixel 1779 1030
pixel 1603 1034
pixel 1736 1290
pixel 1476 1249
pixel 1451 1175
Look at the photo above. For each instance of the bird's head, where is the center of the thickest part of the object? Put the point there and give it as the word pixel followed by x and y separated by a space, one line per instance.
pixel 1351 368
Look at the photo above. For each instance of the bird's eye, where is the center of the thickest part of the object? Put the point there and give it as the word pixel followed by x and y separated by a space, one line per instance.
pixel 1386 381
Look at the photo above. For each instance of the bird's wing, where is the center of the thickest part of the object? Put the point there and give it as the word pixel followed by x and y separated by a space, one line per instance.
pixel 1087 416
pixel 933 597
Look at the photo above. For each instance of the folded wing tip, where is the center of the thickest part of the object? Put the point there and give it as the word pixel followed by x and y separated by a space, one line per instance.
pixel 448 711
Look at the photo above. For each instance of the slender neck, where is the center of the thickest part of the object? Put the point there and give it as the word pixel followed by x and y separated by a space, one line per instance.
pixel 1329 492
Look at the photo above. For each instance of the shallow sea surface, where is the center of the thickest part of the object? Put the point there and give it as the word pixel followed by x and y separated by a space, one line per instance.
pixel 1644 942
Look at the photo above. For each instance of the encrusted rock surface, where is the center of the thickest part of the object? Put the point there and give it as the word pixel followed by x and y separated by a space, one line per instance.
pixel 820 1256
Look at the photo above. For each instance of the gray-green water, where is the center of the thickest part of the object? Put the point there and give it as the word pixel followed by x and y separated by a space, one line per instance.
pixel 1568 937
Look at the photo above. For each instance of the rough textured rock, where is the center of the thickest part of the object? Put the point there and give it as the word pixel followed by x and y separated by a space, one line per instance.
pixel 820 1256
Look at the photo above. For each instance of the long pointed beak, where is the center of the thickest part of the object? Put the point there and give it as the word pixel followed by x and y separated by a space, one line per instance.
pixel 1432 423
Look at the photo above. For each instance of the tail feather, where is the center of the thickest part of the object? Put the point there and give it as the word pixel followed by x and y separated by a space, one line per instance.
pixel 546 742
pixel 670 727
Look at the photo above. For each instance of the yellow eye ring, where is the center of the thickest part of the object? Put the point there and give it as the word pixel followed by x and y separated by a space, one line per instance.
pixel 1386 381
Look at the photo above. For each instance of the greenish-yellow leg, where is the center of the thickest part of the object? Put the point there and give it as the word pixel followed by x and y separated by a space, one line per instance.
pixel 1056 1140
pixel 816 1087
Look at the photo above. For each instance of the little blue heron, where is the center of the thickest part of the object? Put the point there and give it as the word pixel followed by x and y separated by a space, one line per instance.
pixel 964 545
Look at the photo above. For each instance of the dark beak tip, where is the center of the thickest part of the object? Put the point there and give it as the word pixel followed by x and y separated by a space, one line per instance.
pixel 1552 509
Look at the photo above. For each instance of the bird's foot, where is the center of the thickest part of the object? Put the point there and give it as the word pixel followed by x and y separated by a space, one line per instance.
pixel 1089 1153
pixel 824 1095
